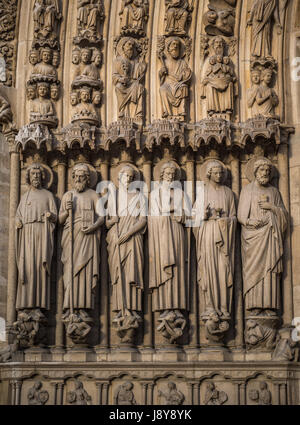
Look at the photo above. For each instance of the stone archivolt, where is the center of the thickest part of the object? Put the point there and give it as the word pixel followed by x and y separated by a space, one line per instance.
pixel 135 287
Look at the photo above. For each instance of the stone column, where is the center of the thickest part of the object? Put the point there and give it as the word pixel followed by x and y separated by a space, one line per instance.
pixel 193 316
pixel 59 331
pixel 18 385
pixel 238 288
pixel 190 397
pixel 150 393
pixel 276 394
pixel 105 394
pixel 241 393
pixel 12 266
pixel 145 392
pixel 287 286
pixel 99 386
pixel 148 316
pixel 60 393
pixel 283 394
pixel 197 393
pixel 104 280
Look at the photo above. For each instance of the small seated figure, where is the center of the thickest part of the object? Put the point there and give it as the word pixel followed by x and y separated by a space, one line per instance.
pixel 45 68
pixel 85 110
pixel 42 109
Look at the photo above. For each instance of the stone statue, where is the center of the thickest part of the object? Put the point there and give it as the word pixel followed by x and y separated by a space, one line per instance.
pixel 134 15
pixel 267 98
pixel 215 242
pixel 89 14
pixel 287 349
pixel 260 332
pixel 263 218
pixel 220 18
pixel 124 395
pixel 128 76
pixel 88 72
pixel 46 15
pixel 214 397
pixel 6 116
pixel 80 250
pixel 176 17
pixel 167 249
pixel 79 396
pixel 126 256
pixel 84 110
pixel 44 70
pixel 6 353
pixel 34 57
pixel 175 76
pixel 54 92
pixel 252 94
pixel 262 14
pixel 262 396
pixel 219 83
pixel 36 396
pixel 42 109
pixel 173 397
pixel 35 222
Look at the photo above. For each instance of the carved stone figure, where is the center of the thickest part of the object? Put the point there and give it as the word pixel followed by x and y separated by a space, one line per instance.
pixel 80 250
pixel 84 109
pixel 177 15
pixel 263 396
pixel 215 242
pixel 260 333
pixel 172 325
pixel 44 70
pixel 34 57
pixel 88 72
pixel 263 218
pixel 6 116
pixel 262 14
pixel 267 98
pixel 89 14
pixel 167 249
pixel 173 396
pixel 220 18
pixel 42 109
pixel 35 222
pixel 124 395
pixel 252 94
pixel 287 348
pixel 46 15
pixel 214 397
pixel 219 83
pixel 7 352
pixel 126 222
pixel 134 15
pixel 36 396
pixel 175 76
pixel 29 327
pixel 128 76
pixel 79 396
pixel 54 92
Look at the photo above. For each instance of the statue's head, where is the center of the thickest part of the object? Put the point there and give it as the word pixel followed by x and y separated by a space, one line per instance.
pixel 78 385
pixel 43 89
pixel 171 386
pixel 174 48
pixel 126 176
pixel 85 94
pixel 31 91
pixel 215 172
pixel 97 58
pixel 54 91
pixel 263 385
pixel 210 386
pixel 35 175
pixel 55 58
pixel 128 385
pixel 262 171
pixel 46 55
pixel 81 177
pixel 168 172
pixel 266 76
pixel 33 57
pixel 74 98
pixel 97 98
pixel 255 76
pixel 128 48
pixel 86 55
pixel 218 45
pixel 76 56
pixel 37 385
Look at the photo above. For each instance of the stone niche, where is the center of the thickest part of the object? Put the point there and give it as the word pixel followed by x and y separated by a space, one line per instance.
pixel 104 300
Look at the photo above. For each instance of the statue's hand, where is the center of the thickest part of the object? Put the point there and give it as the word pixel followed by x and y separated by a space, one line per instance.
pixel 279 29
pixel 115 219
pixel 19 224
pixel 88 230
pixel 265 205
pixel 254 223
pixel 123 238
pixel 69 205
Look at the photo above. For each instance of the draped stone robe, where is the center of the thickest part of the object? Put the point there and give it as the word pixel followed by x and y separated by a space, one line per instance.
pixel 263 11
pixel 129 256
pixel 34 249
pixel 262 249
pixel 175 86
pixel 168 255
pixel 215 244
pixel 85 250
pixel 130 95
